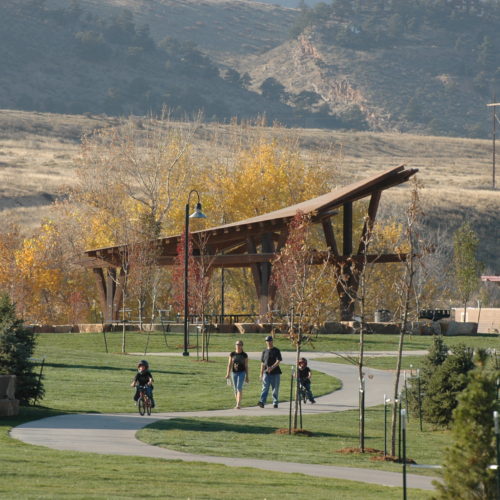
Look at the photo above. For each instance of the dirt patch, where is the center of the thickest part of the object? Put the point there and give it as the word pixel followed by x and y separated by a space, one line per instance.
pixel 358 451
pixel 378 455
pixel 299 432
pixel 390 458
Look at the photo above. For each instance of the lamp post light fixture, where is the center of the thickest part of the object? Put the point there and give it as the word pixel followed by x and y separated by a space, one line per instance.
pixel 197 214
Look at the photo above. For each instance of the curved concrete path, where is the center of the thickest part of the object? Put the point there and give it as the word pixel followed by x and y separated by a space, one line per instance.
pixel 115 434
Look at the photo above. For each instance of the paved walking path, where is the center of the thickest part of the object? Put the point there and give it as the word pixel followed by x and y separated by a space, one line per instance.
pixel 114 434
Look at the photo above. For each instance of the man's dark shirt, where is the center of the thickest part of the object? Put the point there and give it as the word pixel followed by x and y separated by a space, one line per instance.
pixel 269 357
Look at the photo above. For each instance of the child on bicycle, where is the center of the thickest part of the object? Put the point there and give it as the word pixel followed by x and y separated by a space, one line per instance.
pixel 143 378
pixel 304 378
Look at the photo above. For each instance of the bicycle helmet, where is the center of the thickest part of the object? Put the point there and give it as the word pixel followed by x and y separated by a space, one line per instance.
pixel 144 363
pixel 303 360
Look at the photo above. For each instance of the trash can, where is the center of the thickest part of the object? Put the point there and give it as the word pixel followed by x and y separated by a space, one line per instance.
pixel 382 316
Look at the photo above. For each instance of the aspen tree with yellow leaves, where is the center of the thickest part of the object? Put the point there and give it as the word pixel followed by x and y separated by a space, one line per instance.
pixel 130 178
pixel 256 170
pixel 10 241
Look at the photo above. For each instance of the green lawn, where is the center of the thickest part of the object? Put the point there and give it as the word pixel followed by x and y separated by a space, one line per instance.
pixel 383 362
pixel 77 380
pixel 137 341
pixel 81 377
pixel 330 433
pixel 32 472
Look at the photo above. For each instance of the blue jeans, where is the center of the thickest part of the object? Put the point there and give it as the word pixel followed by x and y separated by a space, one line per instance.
pixel 274 382
pixel 238 379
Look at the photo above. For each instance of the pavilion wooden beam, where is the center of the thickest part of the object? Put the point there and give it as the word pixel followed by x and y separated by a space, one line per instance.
pixel 246 260
pixel 252 248
pixel 330 236
pixel 347 229
pixel 267 246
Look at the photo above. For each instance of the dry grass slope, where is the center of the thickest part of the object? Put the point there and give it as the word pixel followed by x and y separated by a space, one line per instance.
pixel 36 152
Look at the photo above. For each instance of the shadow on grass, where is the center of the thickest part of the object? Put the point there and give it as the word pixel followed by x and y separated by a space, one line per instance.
pixel 113 368
pixel 192 425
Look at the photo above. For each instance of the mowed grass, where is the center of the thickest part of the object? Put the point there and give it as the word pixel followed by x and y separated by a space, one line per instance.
pixel 30 472
pixel 80 376
pixel 138 342
pixel 411 363
pixel 248 436
pixel 101 383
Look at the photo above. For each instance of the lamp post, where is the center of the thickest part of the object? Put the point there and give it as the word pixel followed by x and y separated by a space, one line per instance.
pixel 386 400
pixel 402 416
pixel 197 214
pixel 497 439
pixel 419 400
pixel 493 106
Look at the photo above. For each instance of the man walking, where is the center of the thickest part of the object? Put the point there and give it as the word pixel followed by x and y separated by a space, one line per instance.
pixel 270 372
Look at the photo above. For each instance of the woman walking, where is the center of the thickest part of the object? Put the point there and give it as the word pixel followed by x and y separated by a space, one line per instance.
pixel 237 369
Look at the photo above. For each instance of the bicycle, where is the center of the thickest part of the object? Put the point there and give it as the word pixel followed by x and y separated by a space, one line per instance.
pixel 302 393
pixel 144 401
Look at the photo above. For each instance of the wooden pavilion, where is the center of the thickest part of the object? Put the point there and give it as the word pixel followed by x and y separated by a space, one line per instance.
pixel 254 242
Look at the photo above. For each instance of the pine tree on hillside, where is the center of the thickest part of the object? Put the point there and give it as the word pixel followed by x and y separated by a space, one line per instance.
pixel 17 345
pixel 466 474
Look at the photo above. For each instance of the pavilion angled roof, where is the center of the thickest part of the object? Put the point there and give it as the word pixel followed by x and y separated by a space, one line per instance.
pixel 325 203
pixel 226 236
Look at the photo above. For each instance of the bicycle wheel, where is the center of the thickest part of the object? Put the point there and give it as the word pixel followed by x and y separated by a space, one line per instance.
pixel 148 406
pixel 302 395
pixel 141 406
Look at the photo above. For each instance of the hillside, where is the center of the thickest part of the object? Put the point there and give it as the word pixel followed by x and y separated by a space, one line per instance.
pixel 394 68
pixel 224 29
pixel 367 65
pixel 76 61
pixel 36 151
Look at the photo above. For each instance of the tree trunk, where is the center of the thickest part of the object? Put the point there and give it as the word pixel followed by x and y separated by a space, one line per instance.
pixel 123 324
pixel 296 396
pixel 404 324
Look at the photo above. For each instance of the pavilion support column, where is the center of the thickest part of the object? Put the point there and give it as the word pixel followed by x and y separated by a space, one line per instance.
pixel 265 276
pixel 118 278
pixel 99 275
pixel 347 288
pixel 283 238
pixel 110 292
pixel 261 272
pixel 251 247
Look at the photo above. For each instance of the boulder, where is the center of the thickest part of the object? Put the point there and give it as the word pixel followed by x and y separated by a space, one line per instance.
pixel 461 328
pixel 247 327
pixel 9 406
